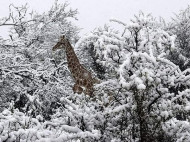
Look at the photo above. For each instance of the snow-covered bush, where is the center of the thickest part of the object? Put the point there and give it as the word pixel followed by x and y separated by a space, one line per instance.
pixel 16 126
pixel 144 90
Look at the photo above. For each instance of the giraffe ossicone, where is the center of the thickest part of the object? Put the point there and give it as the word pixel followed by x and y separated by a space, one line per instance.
pixel 82 77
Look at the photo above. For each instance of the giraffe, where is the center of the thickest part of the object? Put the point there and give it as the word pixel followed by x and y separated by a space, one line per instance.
pixel 81 76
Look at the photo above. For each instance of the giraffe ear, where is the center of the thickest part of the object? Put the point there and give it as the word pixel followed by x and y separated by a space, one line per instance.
pixel 63 36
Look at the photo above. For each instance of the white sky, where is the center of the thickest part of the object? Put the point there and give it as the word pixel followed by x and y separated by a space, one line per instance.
pixel 94 13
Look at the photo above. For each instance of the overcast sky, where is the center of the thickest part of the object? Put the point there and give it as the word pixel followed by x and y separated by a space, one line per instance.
pixel 93 13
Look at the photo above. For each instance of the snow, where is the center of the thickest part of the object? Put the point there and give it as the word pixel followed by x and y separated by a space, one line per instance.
pixel 139 82
pixel 118 109
pixel 141 87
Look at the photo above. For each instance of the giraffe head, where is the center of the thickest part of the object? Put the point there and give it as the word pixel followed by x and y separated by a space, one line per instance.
pixel 62 43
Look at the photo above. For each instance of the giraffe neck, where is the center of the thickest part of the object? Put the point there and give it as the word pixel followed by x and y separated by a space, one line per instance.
pixel 71 56
pixel 72 60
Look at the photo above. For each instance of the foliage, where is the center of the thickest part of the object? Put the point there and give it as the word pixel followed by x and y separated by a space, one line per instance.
pixel 29 70
pixel 142 95
pixel 16 126
pixel 180 27
pixel 147 91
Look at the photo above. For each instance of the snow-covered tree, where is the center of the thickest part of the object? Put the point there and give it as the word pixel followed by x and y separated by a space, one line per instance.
pixel 30 71
pixel 144 90
pixel 180 27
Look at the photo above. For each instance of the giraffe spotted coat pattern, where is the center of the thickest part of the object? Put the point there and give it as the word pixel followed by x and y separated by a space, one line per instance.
pixel 81 76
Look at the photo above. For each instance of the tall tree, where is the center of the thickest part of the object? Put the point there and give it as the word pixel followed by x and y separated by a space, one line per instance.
pixel 180 26
pixel 30 71
pixel 145 89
